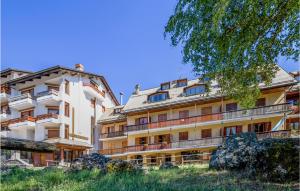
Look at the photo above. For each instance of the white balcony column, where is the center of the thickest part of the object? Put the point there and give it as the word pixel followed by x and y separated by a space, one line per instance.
pixel 173 159
pixel 62 131
pixel 144 160
pixel 39 133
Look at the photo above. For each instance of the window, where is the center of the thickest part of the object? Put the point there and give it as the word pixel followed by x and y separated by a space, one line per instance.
pixel 261 102
pixel 165 86
pixel 206 133
pixel 53 111
pixel 117 110
pixel 67 109
pixel 66 131
pixel 67 87
pixel 158 97
pixel 294 126
pixel 162 117
pixel 183 114
pixel 4 127
pixel 206 110
pixel 28 91
pixel 27 113
pixel 162 138
pixel 168 159
pixel 232 130
pixel 194 90
pixel 183 136
pixel 181 83
pixel 141 121
pixel 122 127
pixel 260 127
pixel 53 133
pixel 142 140
pixel 231 107
pixel 111 129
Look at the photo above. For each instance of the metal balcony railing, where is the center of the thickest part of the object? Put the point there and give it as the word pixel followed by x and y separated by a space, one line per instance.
pixel 266 110
pixel 20 97
pixel 48 92
pixel 189 144
pixel 112 134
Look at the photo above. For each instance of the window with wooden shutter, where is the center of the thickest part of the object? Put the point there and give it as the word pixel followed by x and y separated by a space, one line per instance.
pixel 183 136
pixel 231 107
pixel 260 127
pixel 67 109
pixel 261 102
pixel 26 113
pixel 183 114
pixel 53 133
pixel 206 133
pixel 66 131
pixel 162 117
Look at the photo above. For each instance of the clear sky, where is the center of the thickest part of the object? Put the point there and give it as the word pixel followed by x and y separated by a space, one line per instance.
pixel 122 40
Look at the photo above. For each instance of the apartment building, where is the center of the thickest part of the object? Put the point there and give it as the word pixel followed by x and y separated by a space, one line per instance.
pixel 180 121
pixel 57 105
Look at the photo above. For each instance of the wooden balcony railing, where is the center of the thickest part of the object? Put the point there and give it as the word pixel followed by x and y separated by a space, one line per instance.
pixel 48 92
pixel 196 143
pixel 22 119
pixel 112 134
pixel 271 109
pixel 5 89
pixel 47 116
pixel 94 87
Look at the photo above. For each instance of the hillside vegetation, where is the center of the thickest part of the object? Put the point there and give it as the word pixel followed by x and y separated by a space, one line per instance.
pixel 197 177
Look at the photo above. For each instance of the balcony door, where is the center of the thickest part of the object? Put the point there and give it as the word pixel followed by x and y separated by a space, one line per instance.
pixel 26 113
pixel 232 130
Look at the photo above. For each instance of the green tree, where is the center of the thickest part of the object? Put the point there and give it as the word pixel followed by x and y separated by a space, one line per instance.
pixel 236 42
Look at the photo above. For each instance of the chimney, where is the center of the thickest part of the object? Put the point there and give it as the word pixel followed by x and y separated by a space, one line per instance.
pixel 79 67
pixel 121 98
pixel 136 89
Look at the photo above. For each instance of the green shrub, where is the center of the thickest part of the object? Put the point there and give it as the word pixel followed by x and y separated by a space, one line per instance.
pixel 118 165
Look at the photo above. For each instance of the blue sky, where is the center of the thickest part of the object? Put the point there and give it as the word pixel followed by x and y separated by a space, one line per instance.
pixel 122 40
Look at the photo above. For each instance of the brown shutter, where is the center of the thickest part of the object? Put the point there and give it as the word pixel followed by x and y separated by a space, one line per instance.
pixel 249 128
pixel 156 139
pixel 239 129
pixel 268 126
pixel 137 141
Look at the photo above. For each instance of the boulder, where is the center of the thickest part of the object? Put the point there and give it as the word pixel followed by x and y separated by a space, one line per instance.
pixel 118 165
pixel 237 152
pixel 90 161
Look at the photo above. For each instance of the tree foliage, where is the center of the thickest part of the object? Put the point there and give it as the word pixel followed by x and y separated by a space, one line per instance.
pixel 236 42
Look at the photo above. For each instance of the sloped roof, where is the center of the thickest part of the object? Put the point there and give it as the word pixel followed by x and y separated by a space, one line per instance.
pixel 109 115
pixel 139 102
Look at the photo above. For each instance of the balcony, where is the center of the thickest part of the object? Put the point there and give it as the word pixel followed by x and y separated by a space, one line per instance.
pixel 50 97
pixel 113 135
pixel 49 120
pixel 260 112
pixel 21 102
pixel 22 122
pixel 93 90
pixel 5 115
pixel 4 94
pixel 188 144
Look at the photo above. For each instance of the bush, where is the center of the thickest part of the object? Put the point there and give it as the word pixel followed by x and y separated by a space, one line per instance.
pixel 118 165
pixel 280 160
pixel 89 162
pixel 275 160
pixel 167 165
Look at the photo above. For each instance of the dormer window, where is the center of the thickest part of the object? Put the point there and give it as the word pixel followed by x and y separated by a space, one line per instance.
pixel 181 83
pixel 117 110
pixel 158 97
pixel 194 90
pixel 165 86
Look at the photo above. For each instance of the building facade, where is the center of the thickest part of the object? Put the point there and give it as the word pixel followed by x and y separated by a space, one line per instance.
pixel 180 122
pixel 56 105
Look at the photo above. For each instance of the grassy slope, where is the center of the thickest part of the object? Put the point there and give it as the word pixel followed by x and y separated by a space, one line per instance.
pixel 185 178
